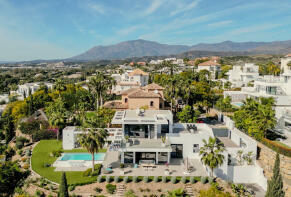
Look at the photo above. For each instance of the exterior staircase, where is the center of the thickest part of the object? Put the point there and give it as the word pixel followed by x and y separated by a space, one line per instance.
pixel 189 190
pixel 120 190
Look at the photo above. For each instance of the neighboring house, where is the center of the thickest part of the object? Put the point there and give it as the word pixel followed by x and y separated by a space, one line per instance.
pixel 23 90
pixel 241 75
pixel 211 66
pixel 134 79
pixel 150 96
pixel 4 98
pixel 277 87
pixel 284 64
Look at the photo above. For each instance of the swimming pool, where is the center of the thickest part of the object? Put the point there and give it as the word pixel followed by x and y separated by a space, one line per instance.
pixel 82 157
pixel 237 104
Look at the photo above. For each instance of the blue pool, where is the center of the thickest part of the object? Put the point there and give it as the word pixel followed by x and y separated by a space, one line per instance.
pixel 82 156
pixel 237 104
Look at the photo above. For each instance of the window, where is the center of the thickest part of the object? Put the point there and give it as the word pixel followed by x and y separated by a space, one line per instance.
pixel 195 148
pixel 152 103
pixel 125 100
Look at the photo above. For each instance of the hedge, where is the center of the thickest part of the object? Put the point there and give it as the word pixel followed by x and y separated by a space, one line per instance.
pixel 277 147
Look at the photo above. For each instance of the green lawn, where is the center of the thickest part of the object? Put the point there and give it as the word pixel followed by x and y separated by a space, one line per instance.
pixel 41 156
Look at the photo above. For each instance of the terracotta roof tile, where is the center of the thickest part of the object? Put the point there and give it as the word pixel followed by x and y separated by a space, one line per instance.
pixel 153 86
pixel 143 94
pixel 209 63
pixel 129 91
pixel 137 72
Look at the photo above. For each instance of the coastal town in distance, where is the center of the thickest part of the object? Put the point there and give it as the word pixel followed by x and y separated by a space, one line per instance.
pixel 155 98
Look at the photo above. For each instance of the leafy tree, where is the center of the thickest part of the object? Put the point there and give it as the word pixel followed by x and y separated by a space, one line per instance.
pixel 224 104
pixel 275 185
pixel 93 140
pixel 256 117
pixel 212 153
pixel 188 114
pixel 63 189
pixel 8 126
pixel 10 174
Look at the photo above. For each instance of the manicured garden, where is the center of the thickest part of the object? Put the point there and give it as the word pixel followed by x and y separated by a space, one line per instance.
pixel 41 161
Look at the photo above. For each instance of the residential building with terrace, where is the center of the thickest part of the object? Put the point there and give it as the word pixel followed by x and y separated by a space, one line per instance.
pixel 23 90
pixel 211 66
pixel 149 143
pixel 130 79
pixel 240 76
pixel 150 97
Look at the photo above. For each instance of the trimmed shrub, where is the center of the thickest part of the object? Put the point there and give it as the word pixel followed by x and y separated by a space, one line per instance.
pixel 116 179
pixel 57 153
pixel 135 179
pixel 125 179
pixel 203 179
pixel 277 147
pixel 164 179
pixel 110 188
pixel 108 179
pixel 173 179
pixel 87 172
pixel 210 180
pixel 99 179
pixel 98 189
pixel 156 179
pixel 97 169
pixel 71 188
pixel 192 180
pixel 146 179
pixel 184 179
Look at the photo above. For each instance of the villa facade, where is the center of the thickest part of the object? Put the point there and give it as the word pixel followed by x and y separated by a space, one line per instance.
pixel 23 90
pixel 241 75
pixel 212 66
pixel 150 97
pixel 130 79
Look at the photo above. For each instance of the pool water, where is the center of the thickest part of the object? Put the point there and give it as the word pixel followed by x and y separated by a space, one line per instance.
pixel 82 157
pixel 237 104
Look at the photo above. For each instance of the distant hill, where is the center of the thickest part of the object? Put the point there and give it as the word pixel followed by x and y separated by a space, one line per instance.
pixel 134 48
pixel 141 48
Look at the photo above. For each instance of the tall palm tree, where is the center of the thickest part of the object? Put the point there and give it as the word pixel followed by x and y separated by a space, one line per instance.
pixel 93 141
pixel 211 153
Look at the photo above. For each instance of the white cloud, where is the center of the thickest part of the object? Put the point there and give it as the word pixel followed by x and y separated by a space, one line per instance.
pixel 220 24
pixel 98 8
pixel 184 7
pixel 155 4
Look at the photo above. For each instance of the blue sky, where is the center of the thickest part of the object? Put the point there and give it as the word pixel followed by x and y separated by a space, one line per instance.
pixel 49 29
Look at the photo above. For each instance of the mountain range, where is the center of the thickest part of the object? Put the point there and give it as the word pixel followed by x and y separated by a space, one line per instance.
pixel 141 48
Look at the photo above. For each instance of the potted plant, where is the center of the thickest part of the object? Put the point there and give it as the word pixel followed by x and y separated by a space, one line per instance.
pixel 163 138
pixel 122 168
pixel 127 141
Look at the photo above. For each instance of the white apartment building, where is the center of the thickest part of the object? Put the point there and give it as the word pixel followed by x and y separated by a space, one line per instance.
pixel 23 90
pixel 278 87
pixel 4 97
pixel 128 80
pixel 241 75
pixel 211 66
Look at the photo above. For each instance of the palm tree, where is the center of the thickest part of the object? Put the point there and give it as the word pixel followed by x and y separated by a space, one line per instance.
pixel 93 141
pixel 211 153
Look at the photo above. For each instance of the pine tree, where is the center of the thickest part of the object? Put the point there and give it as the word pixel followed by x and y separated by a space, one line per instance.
pixel 275 185
pixel 63 188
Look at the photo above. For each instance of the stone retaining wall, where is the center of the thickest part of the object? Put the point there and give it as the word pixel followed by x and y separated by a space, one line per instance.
pixel 266 159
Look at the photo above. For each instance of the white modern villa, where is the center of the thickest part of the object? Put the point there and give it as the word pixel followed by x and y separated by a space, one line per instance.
pixel 23 90
pixel 151 137
pixel 130 79
pixel 241 75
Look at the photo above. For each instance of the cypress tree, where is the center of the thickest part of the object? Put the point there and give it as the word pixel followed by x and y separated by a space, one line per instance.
pixel 63 188
pixel 275 185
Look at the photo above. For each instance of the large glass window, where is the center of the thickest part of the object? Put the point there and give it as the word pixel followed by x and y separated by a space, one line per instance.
pixel 195 148
pixel 177 151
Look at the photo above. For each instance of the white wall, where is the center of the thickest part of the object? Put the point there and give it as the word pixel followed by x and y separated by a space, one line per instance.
pixel 247 174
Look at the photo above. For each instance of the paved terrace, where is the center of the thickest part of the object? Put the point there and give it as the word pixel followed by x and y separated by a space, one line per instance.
pixel 177 167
